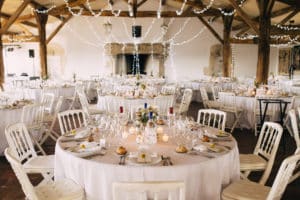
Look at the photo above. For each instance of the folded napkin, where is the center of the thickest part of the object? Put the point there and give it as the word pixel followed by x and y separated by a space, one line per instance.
pixel 200 148
pixel 81 133
pixel 88 146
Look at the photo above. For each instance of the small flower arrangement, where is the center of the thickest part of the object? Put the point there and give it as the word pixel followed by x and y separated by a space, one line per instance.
pixel 143 86
pixel 143 114
pixel 256 84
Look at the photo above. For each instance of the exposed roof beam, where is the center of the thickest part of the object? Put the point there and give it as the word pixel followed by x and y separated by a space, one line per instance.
pixel 290 16
pixel 7 16
pixel 273 14
pixel 141 3
pixel 211 29
pixel 58 29
pixel 245 17
pixel 16 14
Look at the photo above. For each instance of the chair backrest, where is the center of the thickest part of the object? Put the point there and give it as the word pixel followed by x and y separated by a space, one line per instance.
pixel 283 176
pixel 20 173
pixel 32 116
pixel 56 111
pixel 293 118
pixel 267 145
pixel 20 142
pixel 70 120
pixel 48 101
pixel 84 103
pixel 142 188
pixel 228 100
pixel 203 93
pixel 212 118
pixel 215 92
pixel 186 100
pixel 168 89
pixel 163 103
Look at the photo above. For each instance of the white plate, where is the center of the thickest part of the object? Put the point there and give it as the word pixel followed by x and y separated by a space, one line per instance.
pixel 134 161
pixel 223 135
pixel 216 149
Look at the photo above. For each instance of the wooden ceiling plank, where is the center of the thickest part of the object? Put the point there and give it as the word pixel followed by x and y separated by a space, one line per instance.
pixel 211 29
pixel 58 29
pixel 245 17
pixel 16 14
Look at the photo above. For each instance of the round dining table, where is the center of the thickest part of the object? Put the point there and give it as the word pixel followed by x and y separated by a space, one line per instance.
pixel 205 174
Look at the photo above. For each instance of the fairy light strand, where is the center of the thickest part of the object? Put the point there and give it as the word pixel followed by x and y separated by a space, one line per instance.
pixel 197 11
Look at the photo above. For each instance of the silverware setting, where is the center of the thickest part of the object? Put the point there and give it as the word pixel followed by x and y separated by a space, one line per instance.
pixel 166 160
pixel 122 160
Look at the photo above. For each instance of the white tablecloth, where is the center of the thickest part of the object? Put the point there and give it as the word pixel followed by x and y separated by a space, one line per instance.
pixel 204 177
pixel 36 93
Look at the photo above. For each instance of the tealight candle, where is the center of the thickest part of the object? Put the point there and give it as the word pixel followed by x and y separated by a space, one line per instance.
pixel 160 130
pixel 124 134
pixel 165 138
pixel 132 130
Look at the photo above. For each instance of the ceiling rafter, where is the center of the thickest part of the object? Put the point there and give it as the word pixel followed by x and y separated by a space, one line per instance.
pixel 58 28
pixel 14 17
pixel 7 16
pixel 211 29
pixel 245 17
pixel 290 16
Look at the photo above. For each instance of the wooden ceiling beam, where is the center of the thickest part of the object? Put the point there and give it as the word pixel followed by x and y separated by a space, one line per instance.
pixel 290 16
pixel 141 3
pixel 134 7
pixel 58 29
pixel 14 17
pixel 16 38
pixel 7 16
pixel 245 17
pixel 273 15
pixel 211 29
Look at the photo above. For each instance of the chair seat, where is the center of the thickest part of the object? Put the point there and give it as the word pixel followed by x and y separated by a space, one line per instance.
pixel 252 162
pixel 245 190
pixel 214 104
pixel 40 163
pixel 60 190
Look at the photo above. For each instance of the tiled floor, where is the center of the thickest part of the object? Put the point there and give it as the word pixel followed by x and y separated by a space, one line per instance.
pixel 10 188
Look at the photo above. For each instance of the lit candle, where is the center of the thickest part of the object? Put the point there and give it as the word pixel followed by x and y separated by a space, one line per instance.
pixel 165 138
pixel 124 134
pixel 160 130
pixel 102 142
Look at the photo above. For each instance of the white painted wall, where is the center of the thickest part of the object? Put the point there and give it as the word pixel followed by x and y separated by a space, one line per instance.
pixel 78 48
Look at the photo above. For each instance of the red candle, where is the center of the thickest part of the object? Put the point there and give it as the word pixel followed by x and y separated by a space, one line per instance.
pixel 121 109
pixel 171 110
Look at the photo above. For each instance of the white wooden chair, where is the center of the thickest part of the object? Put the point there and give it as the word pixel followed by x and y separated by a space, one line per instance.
pixel 206 102
pixel 21 146
pixel 228 100
pixel 32 116
pixel 89 109
pixel 48 101
pixel 215 92
pixel 163 103
pixel 247 190
pixel 50 121
pixel 264 153
pixel 64 189
pixel 71 119
pixel 185 102
pixel 140 189
pixel 213 118
pixel 295 130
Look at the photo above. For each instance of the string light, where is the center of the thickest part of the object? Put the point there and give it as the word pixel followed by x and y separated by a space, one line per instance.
pixel 91 10
pixel 241 3
pixel 116 13
pixel 159 9
pixel 245 37
pixel 179 12
pixel 226 13
pixel 180 29
pixel 287 28
pixel 45 11
pixel 204 9
pixel 19 40
pixel 70 9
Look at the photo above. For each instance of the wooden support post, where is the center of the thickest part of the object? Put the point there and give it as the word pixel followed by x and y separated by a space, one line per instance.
pixel 227 21
pixel 2 71
pixel 263 60
pixel 42 21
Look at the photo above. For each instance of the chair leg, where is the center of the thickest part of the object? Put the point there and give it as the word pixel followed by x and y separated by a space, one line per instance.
pixel 48 177
pixel 235 122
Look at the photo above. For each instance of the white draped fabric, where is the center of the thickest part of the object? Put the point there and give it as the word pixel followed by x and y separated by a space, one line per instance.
pixel 204 177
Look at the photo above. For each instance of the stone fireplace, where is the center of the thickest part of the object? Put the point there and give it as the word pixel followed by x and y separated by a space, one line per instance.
pixel 151 57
